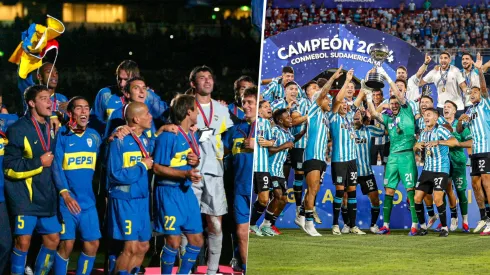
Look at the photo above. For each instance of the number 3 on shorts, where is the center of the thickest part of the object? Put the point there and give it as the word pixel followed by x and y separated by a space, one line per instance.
pixel 169 223
pixel 128 227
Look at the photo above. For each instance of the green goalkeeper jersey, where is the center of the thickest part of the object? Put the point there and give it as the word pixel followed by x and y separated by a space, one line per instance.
pixel 401 129
pixel 456 154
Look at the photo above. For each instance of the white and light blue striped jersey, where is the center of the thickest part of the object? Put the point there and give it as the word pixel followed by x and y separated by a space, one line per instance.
pixel 316 134
pixel 420 123
pixel 479 125
pixel 363 148
pixel 261 154
pixel 302 109
pixel 384 138
pixel 342 131
pixel 275 90
pixel 279 103
pixel 276 161
pixel 437 157
pixel 413 104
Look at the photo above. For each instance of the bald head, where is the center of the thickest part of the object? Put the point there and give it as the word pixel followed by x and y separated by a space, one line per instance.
pixel 133 110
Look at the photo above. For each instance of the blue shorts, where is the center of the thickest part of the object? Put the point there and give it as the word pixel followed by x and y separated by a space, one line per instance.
pixel 86 224
pixel 129 220
pixel 176 210
pixel 242 209
pixel 25 225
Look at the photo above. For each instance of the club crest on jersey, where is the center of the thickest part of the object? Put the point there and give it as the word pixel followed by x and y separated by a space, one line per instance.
pixel 145 142
pixel 215 117
pixel 89 142
pixel 52 133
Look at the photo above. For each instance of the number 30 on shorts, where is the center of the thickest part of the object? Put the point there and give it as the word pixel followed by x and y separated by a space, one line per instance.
pixel 169 223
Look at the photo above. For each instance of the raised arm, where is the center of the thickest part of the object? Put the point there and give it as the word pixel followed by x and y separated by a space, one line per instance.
pixel 328 85
pixel 397 93
pixel 340 96
pixel 483 84
pixel 424 66
pixel 369 98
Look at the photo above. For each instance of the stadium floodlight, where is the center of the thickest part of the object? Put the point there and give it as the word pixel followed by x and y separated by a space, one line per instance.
pixel 130 53
pixel 216 9
pixel 245 8
pixel 213 16
pixel 1 54
pixel 171 36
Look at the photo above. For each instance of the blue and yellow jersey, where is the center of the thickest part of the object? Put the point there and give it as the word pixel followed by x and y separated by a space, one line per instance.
pixel 74 164
pixel 116 119
pixel 29 187
pixel 171 150
pixel 5 121
pixel 243 159
pixel 109 99
pixel 236 110
pixel 127 175
pixel 56 99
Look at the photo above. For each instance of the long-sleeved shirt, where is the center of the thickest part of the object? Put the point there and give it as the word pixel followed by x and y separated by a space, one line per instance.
pixel 29 186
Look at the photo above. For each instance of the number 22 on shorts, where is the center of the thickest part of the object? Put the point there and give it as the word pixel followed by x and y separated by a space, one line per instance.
pixel 169 223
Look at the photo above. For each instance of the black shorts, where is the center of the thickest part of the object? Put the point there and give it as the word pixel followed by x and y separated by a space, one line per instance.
pixel 344 173
pixel 288 159
pixel 262 182
pixel 280 183
pixel 314 165
pixel 432 181
pixel 297 158
pixel 480 164
pixel 368 184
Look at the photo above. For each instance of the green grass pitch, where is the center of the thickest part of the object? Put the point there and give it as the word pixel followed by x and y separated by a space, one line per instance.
pixel 294 252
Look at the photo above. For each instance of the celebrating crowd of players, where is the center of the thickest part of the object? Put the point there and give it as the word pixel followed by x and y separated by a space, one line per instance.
pixel 302 127
pixel 162 169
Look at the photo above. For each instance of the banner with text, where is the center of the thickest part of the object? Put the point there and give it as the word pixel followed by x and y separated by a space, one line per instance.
pixel 350 4
pixel 400 216
pixel 314 49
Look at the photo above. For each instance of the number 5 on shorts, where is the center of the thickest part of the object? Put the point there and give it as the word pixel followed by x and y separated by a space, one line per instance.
pixel 20 222
pixel 169 223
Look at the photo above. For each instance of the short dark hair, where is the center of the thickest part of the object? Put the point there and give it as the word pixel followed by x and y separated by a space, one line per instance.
pixel 128 84
pixel 393 97
pixel 130 67
pixel 433 110
pixel 452 103
pixel 321 82
pixel 378 90
pixel 428 97
pixel 198 69
pixel 446 53
pixel 468 54
pixel 71 103
pixel 288 69
pixel 403 81
pixel 246 78
pixel 250 91
pixel 311 82
pixel 291 83
pixel 262 103
pixel 402 67
pixel 277 115
pixel 179 107
pixel 32 91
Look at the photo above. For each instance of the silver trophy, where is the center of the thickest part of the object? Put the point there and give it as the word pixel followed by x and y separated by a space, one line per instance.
pixel 378 52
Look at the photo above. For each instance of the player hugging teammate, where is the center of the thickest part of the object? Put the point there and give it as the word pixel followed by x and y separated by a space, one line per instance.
pixel 413 125
pixel 174 156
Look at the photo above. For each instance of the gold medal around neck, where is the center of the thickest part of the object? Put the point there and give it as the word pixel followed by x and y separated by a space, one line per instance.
pixel 443 89
pixel 351 136
pixel 428 153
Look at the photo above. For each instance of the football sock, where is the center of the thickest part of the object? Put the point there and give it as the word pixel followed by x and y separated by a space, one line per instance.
pixel 352 207
pixel 411 196
pixel 189 259
pixel 345 214
pixel 309 215
pixel 387 206
pixel 337 202
pixel 60 265
pixel 85 264
pixel 167 259
pixel 298 188
pixel 430 210
pixel 454 212
pixel 215 243
pixel 483 214
pixel 463 201
pixel 442 214
pixel 18 262
pixel 374 214
pixel 44 260
pixel 257 211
